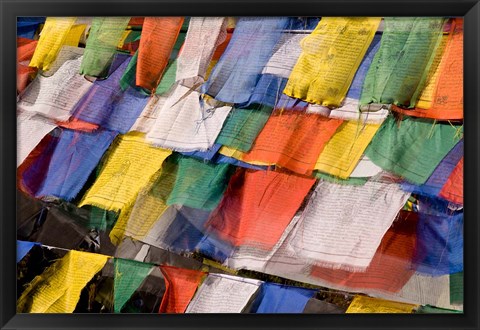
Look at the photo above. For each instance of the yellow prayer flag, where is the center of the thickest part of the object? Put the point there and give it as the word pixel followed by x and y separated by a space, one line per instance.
pixel 330 57
pixel 130 164
pixel 344 150
pixel 428 92
pixel 74 35
pixel 237 154
pixel 52 38
pixel 362 304
pixel 57 290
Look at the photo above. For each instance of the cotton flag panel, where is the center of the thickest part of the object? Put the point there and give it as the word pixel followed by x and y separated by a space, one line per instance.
pixel 344 150
pixel 350 107
pixel 75 157
pixel 391 267
pixel 242 126
pixel 412 148
pixel 236 73
pixel 453 188
pixel 446 99
pixel 158 38
pixel 55 97
pixel 102 42
pixel 204 35
pixel 23 248
pixel 129 274
pixel 54 34
pixel 330 57
pixel 107 105
pixel 125 171
pixel 440 176
pixel 275 298
pixel 30 131
pixel 293 140
pixel 258 206
pixel 181 285
pixel 57 290
pixel 362 304
pixel 198 184
pixel 346 238
pixel 223 294
pixel 400 67
pixel 187 123
pixel 149 204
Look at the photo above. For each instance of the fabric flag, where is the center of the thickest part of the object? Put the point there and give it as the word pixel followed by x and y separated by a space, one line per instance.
pixel 269 88
pixel 293 140
pixel 181 285
pixel 445 101
pixel 221 293
pixel 107 105
pixel 453 188
pixel 25 50
pixel 149 205
pixel 198 184
pixel 456 288
pixel 242 127
pixel 440 175
pixel 187 123
pixel 391 267
pixel 236 73
pixel 23 247
pixel 204 35
pixel 412 148
pixel 55 96
pixel 344 150
pixel 434 310
pixel 27 26
pixel 339 45
pixel 258 206
pixel 331 235
pixel 125 171
pixel 31 172
pixel 349 108
pixel 101 46
pixel 30 131
pixel 440 239
pixel 158 38
pixel 57 289
pixel 129 274
pixel 400 67
pixel 52 38
pixel 277 298
pixel 315 306
pixel 362 304
pixel 75 157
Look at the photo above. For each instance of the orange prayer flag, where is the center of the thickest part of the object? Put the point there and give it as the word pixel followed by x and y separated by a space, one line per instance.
pixel 158 38
pixel 453 188
pixel 180 286
pixel 258 206
pixel 221 48
pixel 78 125
pixel 25 49
pixel 293 139
pixel 447 103
pixel 136 21
pixel 392 265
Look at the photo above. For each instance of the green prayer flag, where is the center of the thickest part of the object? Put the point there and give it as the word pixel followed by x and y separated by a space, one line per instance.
pixel 101 219
pixel 335 179
pixel 200 184
pixel 400 67
pixel 412 148
pixel 105 34
pixel 242 127
pixel 456 288
pixel 427 309
pixel 129 274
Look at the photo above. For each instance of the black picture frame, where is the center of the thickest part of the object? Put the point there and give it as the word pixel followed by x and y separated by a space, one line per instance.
pixel 10 9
